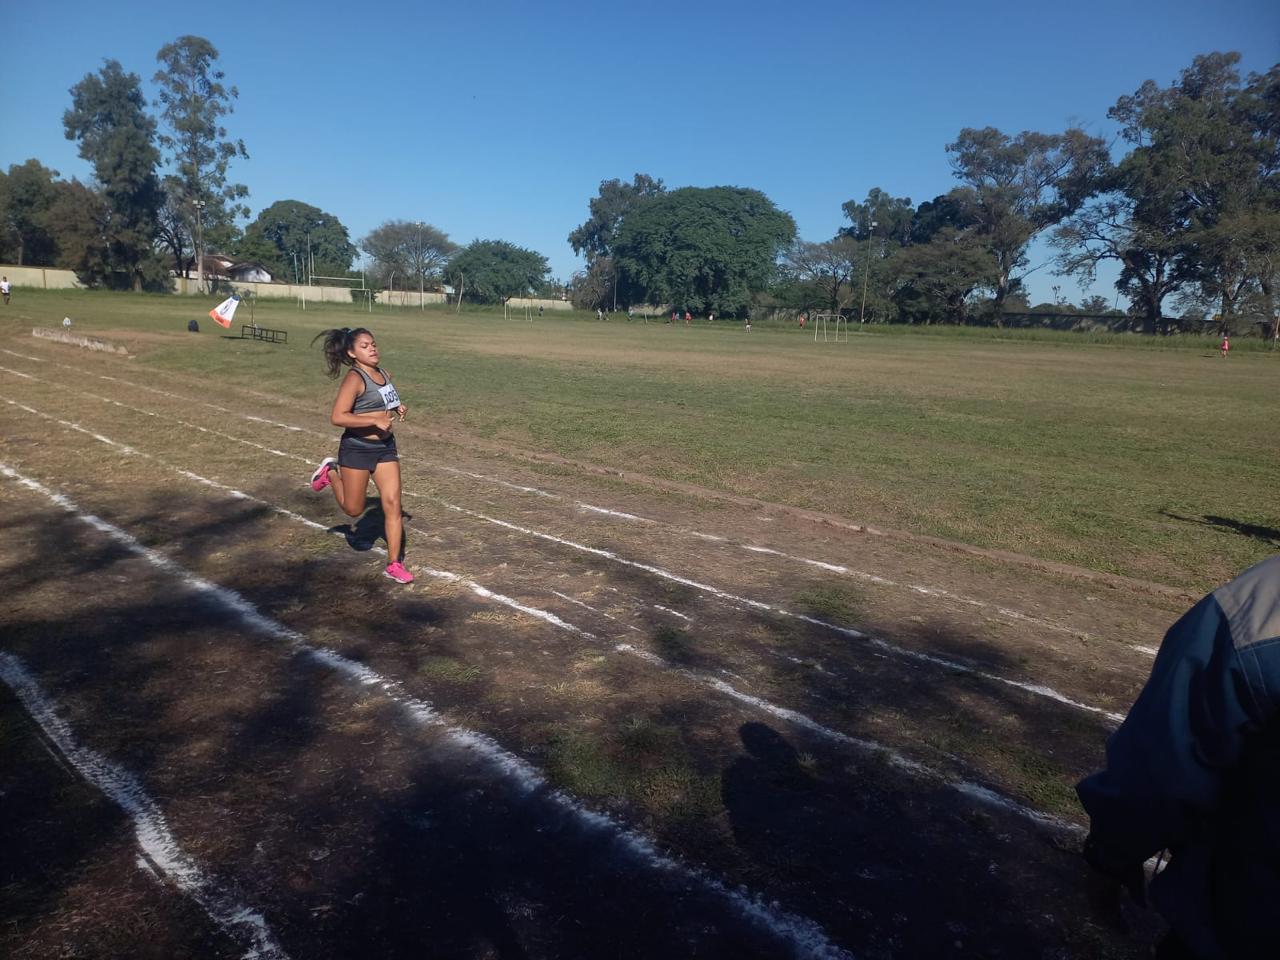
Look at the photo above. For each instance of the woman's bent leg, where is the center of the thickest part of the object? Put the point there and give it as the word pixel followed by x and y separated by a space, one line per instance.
pixel 349 489
pixel 386 477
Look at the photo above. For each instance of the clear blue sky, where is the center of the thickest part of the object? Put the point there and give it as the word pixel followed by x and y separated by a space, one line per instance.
pixel 498 120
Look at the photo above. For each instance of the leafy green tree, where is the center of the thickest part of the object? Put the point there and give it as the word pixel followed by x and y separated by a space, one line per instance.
pixel 409 251
pixel 1145 236
pixel 193 102
pixel 108 118
pixel 27 192
pixel 78 219
pixel 595 238
pixel 1019 186
pixel 701 248
pixel 1095 304
pixel 594 288
pixel 82 222
pixel 285 234
pixel 493 271
pixel 826 269
pixel 952 210
pixel 1192 208
pixel 892 217
pixel 936 281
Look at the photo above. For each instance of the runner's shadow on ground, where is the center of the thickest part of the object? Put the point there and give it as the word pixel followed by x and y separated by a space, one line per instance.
pixel 370 527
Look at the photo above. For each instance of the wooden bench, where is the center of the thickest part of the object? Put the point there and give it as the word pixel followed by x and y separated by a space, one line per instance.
pixel 251 332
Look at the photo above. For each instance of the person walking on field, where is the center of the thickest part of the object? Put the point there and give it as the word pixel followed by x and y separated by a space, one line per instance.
pixel 4 289
pixel 367 407
pixel 1226 339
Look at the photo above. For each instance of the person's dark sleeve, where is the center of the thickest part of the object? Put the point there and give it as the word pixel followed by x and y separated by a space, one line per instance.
pixel 1165 764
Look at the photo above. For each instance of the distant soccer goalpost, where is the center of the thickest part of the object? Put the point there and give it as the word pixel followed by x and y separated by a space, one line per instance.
pixel 519 313
pixel 362 289
pixel 823 321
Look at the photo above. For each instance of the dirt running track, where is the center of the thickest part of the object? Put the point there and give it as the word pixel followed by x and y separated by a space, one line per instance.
pixel 609 719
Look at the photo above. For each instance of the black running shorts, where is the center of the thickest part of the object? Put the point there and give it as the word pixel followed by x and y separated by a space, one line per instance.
pixel 359 454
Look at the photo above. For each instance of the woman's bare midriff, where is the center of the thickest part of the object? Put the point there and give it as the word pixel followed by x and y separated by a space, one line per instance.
pixel 371 434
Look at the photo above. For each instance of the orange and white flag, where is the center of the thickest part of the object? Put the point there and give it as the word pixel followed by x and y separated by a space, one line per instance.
pixel 224 311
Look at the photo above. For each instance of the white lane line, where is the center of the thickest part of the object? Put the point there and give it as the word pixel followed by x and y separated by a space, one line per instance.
pixel 595 610
pixel 946 663
pixel 160 848
pixel 674 613
pixel 589 508
pixel 903 653
pixel 484 592
pixel 476 588
pixel 803 934
pixel 935 592
pixel 913 767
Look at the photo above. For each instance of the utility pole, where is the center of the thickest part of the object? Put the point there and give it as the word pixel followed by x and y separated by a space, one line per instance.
pixel 866 273
pixel 199 245
pixel 417 253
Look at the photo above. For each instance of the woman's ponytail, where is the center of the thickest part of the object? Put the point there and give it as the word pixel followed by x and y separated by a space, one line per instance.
pixel 336 343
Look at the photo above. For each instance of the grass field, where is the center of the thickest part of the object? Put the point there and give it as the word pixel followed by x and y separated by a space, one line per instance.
pixel 656 691
pixel 1151 458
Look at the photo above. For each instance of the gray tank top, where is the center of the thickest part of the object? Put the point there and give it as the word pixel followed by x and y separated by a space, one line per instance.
pixel 376 396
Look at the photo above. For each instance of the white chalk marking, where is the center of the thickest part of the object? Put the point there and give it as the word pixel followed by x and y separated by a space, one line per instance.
pixel 482 591
pixel 1149 651
pixel 935 592
pixel 614 513
pixel 957 666
pixel 914 767
pixel 595 610
pixel 902 652
pixel 276 423
pixel 674 613
pixel 803 934
pixel 161 849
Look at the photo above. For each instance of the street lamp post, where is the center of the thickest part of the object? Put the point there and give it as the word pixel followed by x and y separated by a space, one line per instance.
pixel 417 253
pixel 199 204
pixel 866 273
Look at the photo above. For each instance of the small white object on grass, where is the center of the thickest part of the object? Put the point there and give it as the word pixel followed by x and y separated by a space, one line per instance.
pixel 66 322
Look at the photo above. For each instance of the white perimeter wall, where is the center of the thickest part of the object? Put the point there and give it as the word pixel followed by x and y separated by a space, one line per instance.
pixel 47 278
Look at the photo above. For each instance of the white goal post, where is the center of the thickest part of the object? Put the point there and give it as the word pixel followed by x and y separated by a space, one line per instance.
pixel 823 321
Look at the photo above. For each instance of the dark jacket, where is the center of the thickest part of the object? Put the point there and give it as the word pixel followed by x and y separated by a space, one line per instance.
pixel 1195 769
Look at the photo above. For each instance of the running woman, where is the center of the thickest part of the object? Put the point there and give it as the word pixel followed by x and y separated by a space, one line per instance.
pixel 366 407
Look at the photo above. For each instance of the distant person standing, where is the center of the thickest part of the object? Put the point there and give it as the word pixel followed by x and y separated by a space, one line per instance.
pixel 688 318
pixel 4 289
pixel 539 311
pixel 599 313
pixel 748 323
pixel 1226 338
pixel 710 317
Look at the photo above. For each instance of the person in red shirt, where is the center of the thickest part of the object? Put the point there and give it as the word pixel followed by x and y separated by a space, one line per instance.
pixel 1226 344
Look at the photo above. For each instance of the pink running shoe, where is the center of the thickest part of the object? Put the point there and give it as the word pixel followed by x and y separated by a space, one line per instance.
pixel 320 479
pixel 398 573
